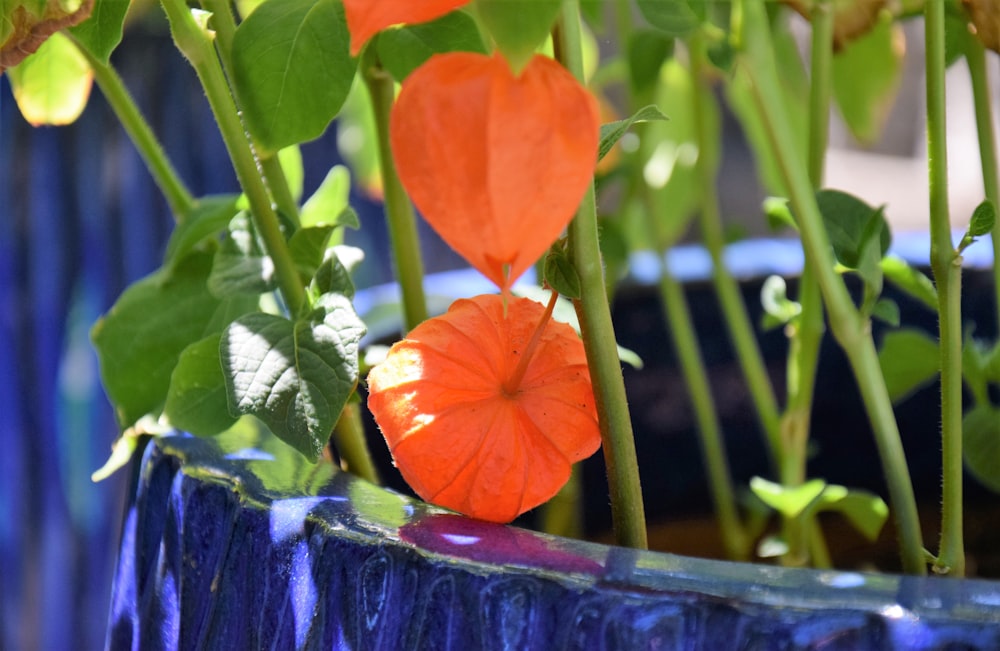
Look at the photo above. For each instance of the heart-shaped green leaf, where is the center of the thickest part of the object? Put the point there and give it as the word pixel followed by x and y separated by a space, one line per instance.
pixel 295 376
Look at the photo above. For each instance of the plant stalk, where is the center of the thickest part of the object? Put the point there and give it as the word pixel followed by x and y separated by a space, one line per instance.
pixel 224 25
pixel 947 269
pixel 162 170
pixel 398 210
pixel 852 331
pixel 976 58
pixel 349 439
pixel 597 330
pixel 741 329
pixel 198 49
pixel 734 538
pixel 807 333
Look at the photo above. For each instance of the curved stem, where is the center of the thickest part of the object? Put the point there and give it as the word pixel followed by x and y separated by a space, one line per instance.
pixel 511 385
pixel 851 330
pixel 946 265
pixel 398 210
pixel 597 329
pixel 976 58
pixel 197 48
pixel 162 170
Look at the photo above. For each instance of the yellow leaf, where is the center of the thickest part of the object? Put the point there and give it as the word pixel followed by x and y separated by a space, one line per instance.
pixel 52 85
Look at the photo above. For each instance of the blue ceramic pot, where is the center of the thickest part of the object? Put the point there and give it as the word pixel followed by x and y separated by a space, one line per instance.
pixel 238 543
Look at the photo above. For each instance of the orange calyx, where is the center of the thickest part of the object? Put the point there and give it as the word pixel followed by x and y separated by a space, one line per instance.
pixel 365 18
pixel 457 436
pixel 496 163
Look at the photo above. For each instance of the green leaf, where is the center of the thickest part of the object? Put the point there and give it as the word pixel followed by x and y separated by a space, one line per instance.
pixel 866 511
pixel 290 159
pixel 777 306
pixel 296 376
pixel 196 400
pixel 307 246
pixel 887 311
pixel 240 265
pixel 292 70
pixel 866 77
pixel 778 214
pixel 790 501
pixel 981 223
pixel 51 86
pixel 647 50
pixel 209 217
pixel 983 219
pixel 403 50
pixel 675 17
pixel 102 32
pixel 560 273
pixel 140 339
pixel 851 223
pixel 613 131
pixel 328 202
pixel 981 445
pixel 334 274
pixel 519 27
pixel 909 360
pixel 911 281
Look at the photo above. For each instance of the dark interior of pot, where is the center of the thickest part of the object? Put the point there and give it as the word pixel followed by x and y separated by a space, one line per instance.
pixel 842 450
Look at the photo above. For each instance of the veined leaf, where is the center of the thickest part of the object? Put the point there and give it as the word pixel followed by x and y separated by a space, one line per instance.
pixel 404 49
pixel 196 400
pixel 613 131
pixel 295 376
pixel 102 32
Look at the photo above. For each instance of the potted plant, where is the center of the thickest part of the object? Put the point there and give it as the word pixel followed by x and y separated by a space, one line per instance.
pixel 248 332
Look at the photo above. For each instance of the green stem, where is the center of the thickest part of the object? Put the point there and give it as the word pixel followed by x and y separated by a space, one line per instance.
pixel 741 329
pixel 398 211
pixel 627 512
pixel 807 334
pixel 224 25
pixel 349 439
pixel 695 377
pixel 976 57
pixel 164 175
pixel 946 265
pixel 198 49
pixel 852 331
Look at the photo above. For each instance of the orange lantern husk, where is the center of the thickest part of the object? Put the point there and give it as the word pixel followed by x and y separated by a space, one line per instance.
pixel 496 163
pixel 458 436
pixel 365 18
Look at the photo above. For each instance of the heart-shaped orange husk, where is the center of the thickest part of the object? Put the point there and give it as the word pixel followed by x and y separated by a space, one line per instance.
pixel 365 18
pixel 497 164
pixel 458 438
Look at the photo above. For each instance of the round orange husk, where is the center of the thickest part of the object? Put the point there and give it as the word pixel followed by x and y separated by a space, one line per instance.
pixel 461 441
pixel 497 164
pixel 365 18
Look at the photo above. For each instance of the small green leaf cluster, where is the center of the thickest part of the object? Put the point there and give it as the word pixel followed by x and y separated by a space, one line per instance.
pixel 201 341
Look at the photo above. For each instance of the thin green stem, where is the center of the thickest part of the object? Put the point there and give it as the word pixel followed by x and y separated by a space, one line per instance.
pixel 198 49
pixel 807 331
pixel 976 58
pixel 398 211
pixel 627 512
pixel 162 170
pixel 946 266
pixel 696 379
pixel 349 439
pixel 852 331
pixel 513 383
pixel 741 329
pixel 224 24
